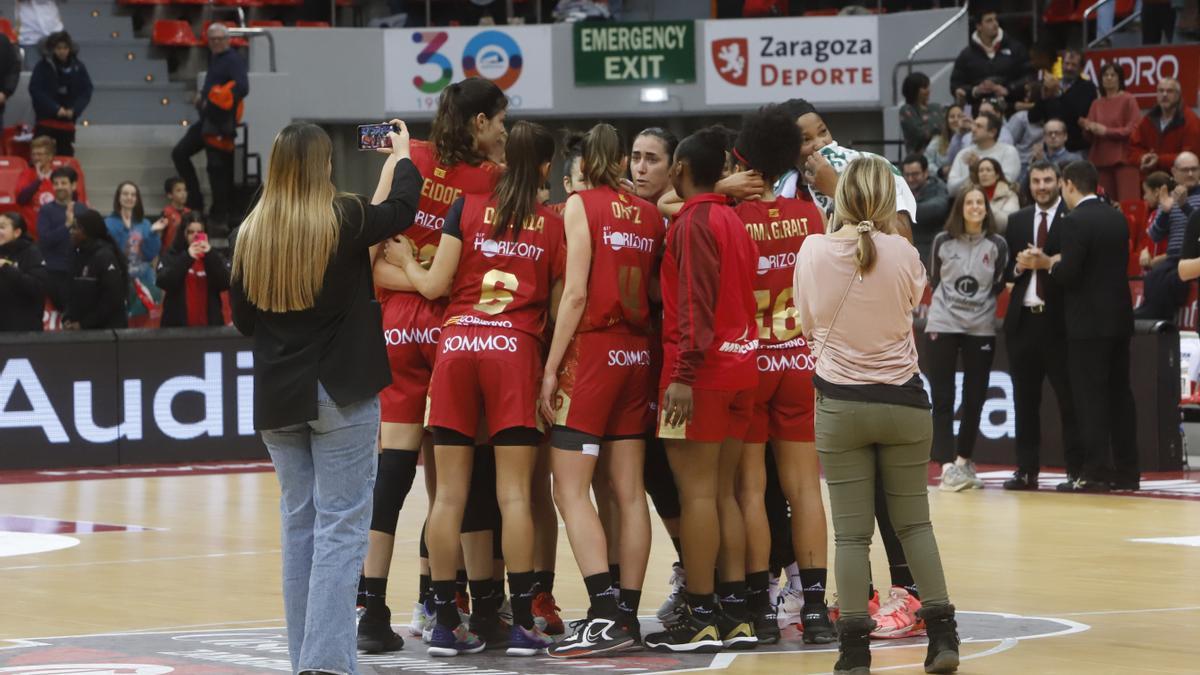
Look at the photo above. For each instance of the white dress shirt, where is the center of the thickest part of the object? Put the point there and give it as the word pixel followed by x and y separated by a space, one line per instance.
pixel 1031 296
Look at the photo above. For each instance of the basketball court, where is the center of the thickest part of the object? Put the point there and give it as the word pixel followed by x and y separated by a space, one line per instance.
pixel 154 570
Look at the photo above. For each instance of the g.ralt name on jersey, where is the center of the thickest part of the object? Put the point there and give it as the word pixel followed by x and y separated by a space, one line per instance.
pixel 778 229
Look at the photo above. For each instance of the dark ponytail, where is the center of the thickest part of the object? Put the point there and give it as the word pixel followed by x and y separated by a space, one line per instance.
pixel 602 155
pixel 93 226
pixel 458 106
pixel 529 146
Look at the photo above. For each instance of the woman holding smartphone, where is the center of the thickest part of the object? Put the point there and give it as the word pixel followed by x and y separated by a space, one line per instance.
pixel 192 276
pixel 302 288
pixel 499 256
pixel 466 136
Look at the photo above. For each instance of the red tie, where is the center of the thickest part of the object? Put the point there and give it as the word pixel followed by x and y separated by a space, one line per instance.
pixel 1042 232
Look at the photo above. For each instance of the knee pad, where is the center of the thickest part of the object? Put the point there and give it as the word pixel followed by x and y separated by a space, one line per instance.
pixel 394 478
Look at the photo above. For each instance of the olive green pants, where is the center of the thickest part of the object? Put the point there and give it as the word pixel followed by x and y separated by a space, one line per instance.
pixel 856 442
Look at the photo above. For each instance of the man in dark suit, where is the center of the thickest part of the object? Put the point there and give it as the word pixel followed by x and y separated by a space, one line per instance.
pixel 1099 315
pixel 1035 330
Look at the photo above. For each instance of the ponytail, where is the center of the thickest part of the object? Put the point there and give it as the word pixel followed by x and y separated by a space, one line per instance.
pixel 602 154
pixel 865 256
pixel 529 146
pixel 458 106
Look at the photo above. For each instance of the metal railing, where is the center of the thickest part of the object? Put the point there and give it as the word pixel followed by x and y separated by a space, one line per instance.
pixel 239 31
pixel 1117 27
pixel 923 43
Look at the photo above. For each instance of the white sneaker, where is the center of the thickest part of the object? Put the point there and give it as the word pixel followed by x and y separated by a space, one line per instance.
pixel 420 620
pixel 790 608
pixel 954 479
pixel 675 600
pixel 969 470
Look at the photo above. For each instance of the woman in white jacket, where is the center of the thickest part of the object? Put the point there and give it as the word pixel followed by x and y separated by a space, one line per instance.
pixel 1002 195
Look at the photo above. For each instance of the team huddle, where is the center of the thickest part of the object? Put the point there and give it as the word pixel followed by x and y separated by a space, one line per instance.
pixel 640 338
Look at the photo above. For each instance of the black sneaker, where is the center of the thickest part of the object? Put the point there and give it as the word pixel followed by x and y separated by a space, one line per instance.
pixel 814 621
pixel 1089 486
pixel 1068 485
pixel 596 637
pixel 686 634
pixel 492 629
pixel 1022 481
pixel 766 625
pixel 737 632
pixel 375 634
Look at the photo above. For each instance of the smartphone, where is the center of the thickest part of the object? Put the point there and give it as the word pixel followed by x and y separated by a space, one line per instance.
pixel 200 236
pixel 374 136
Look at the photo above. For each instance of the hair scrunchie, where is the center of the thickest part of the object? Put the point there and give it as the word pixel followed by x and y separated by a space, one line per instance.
pixel 865 227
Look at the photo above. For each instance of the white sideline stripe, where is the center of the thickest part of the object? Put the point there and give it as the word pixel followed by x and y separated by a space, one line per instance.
pixel 1176 541
pixel 1134 611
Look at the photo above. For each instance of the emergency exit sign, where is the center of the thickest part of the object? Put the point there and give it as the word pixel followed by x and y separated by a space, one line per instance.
pixel 662 52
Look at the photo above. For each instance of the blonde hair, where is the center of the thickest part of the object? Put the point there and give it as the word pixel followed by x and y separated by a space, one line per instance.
pixel 46 143
pixel 866 199
pixel 285 244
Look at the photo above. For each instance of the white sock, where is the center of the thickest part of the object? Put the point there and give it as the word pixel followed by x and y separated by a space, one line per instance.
pixel 793 572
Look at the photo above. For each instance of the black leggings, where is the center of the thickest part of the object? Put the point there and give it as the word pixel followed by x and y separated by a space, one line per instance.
pixel 942 351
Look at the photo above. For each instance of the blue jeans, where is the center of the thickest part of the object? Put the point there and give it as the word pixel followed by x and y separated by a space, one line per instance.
pixel 326 470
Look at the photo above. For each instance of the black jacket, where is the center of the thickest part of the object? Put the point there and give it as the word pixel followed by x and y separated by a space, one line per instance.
pixel 54 85
pixel 10 68
pixel 171 276
pixel 1010 67
pixel 1072 104
pixel 99 287
pixel 228 66
pixel 1095 254
pixel 22 286
pixel 339 341
pixel 1021 233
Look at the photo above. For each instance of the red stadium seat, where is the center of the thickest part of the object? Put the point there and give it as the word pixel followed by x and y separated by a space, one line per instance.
pixel 312 24
pixel 6 28
pixel 81 186
pixel 266 24
pixel 191 2
pixel 10 171
pixel 238 3
pixel 174 33
pixel 143 3
pixel 283 3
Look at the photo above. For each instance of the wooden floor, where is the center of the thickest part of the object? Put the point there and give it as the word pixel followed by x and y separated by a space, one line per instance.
pixel 208 559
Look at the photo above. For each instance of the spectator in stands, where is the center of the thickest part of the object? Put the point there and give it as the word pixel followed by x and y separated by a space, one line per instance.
pixel 1035 330
pixel 920 120
pixel 192 276
pixel 1174 210
pixel 22 277
pixel 997 107
pixel 99 279
pixel 33 185
pixel 933 200
pixel 54 239
pixel 954 136
pixel 61 90
pixel 1053 148
pixel 1027 136
pixel 992 65
pixel 38 19
pixel 1001 195
pixel 1091 269
pixel 1108 126
pixel 10 72
pixel 1156 190
pixel 985 132
pixel 225 87
pixel 176 210
pixel 1158 21
pixel 140 242
pixel 966 271
pixel 1166 130
pixel 1069 99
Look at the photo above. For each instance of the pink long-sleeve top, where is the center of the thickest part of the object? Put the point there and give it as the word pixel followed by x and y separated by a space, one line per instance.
pixel 1120 115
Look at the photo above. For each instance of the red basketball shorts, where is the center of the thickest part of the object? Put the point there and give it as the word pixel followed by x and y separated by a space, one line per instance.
pixel 605 385
pixel 716 416
pixel 495 371
pixel 784 404
pixel 411 326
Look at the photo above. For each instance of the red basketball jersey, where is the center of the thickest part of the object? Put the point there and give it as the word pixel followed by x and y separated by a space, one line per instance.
pixel 442 185
pixel 627 235
pixel 778 228
pixel 505 281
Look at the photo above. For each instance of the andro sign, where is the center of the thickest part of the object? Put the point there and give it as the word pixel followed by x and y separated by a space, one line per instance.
pixel 1144 67
pixel 822 59
pixel 635 53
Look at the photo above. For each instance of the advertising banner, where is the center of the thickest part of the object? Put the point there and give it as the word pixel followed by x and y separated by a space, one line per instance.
pixel 126 397
pixel 822 59
pixel 1145 66
pixel 423 62
pixel 635 53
